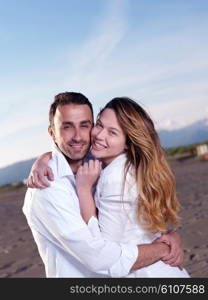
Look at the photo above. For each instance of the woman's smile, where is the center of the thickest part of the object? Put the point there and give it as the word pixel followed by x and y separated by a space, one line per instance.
pixel 98 146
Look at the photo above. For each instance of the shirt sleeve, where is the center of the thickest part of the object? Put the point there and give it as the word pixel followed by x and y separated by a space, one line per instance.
pixel 60 216
pixel 116 202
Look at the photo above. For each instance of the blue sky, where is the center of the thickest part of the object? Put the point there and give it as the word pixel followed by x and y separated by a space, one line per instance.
pixel 153 51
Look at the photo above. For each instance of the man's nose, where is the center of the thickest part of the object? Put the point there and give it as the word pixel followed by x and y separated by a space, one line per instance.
pixel 77 135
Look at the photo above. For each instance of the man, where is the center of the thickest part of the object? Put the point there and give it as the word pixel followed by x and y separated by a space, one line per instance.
pixel 67 245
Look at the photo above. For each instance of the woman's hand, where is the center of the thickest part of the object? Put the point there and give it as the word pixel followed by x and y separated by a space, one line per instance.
pixel 39 170
pixel 87 175
pixel 176 255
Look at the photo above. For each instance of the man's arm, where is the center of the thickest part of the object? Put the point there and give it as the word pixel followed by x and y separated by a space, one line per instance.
pixel 58 218
pixel 149 254
pixel 66 225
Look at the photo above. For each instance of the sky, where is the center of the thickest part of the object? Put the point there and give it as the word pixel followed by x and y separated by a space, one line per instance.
pixel 155 52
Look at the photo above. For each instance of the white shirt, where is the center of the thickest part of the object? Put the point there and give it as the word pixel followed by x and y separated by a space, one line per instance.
pixel 67 245
pixel 118 215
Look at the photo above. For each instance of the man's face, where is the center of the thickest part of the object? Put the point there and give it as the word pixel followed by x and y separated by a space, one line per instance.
pixel 71 130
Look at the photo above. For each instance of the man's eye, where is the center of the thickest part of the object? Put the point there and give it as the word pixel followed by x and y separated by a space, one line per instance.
pixel 67 126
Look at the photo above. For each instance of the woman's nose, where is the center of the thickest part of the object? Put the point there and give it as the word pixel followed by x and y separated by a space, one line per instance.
pixel 101 134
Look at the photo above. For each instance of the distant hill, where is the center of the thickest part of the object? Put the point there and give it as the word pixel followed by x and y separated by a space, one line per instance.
pixel 15 172
pixel 195 133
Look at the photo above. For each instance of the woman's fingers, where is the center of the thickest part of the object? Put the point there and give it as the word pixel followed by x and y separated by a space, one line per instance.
pixel 37 180
pixel 80 170
pixel 98 165
pixel 29 182
pixel 171 260
pixel 88 174
pixel 92 167
pixel 174 260
pixel 42 181
pixel 49 174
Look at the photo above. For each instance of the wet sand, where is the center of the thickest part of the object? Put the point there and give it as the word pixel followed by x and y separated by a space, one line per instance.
pixel 19 255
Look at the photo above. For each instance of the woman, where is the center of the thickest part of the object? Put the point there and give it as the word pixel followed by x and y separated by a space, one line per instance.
pixel 135 194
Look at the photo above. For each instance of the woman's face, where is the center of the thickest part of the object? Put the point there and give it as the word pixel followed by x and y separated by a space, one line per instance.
pixel 108 139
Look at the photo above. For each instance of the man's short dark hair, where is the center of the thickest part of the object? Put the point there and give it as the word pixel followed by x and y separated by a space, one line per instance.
pixel 67 98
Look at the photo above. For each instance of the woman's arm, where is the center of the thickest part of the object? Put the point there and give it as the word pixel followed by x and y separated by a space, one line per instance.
pixel 39 170
pixel 176 254
pixel 86 177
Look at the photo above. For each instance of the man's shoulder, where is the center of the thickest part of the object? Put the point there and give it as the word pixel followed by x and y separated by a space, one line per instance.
pixel 40 198
pixel 53 165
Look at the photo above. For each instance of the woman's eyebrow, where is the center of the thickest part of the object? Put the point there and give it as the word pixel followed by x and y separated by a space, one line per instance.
pixel 116 129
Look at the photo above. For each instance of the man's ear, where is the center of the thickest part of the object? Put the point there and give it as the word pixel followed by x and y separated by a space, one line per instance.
pixel 51 132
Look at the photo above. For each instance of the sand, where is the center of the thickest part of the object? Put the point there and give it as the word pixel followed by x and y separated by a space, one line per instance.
pixel 19 255
pixel 192 191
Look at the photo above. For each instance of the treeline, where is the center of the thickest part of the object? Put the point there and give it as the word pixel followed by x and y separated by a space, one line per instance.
pixel 189 150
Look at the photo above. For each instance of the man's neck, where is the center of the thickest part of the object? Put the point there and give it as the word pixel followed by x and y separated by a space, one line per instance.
pixel 74 164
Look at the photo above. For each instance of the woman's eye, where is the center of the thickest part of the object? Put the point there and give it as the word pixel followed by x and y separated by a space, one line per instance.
pixel 112 132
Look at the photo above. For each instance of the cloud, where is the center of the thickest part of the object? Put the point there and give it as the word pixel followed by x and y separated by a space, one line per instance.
pixel 151 69
pixel 165 72
pixel 93 58
pixel 178 113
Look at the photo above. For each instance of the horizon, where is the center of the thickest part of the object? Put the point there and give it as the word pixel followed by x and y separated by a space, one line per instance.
pixel 165 148
pixel 153 52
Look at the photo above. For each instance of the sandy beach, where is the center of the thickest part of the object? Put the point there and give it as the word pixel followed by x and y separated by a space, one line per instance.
pixel 19 255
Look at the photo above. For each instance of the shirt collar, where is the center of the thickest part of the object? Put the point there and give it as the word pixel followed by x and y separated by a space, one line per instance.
pixel 119 159
pixel 63 167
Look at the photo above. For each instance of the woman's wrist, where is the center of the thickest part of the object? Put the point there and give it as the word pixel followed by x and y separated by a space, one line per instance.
pixel 84 190
pixel 45 157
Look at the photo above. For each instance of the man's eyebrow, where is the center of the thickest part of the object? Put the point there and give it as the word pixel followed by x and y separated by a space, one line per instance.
pixel 86 122
pixel 67 123
pixel 82 122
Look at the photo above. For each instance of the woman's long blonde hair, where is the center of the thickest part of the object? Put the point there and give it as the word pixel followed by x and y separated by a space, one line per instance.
pixel 158 205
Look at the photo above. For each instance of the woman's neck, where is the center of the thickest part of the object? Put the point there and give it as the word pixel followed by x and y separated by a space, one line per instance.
pixel 109 160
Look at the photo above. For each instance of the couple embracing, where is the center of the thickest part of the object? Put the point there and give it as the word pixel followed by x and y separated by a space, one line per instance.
pixel 111 200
